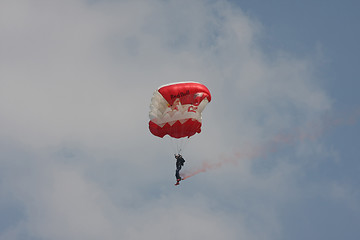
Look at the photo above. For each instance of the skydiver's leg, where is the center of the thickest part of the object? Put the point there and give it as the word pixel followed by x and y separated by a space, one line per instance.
pixel 177 174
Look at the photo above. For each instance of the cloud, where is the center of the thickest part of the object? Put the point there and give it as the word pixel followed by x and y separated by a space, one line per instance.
pixel 77 159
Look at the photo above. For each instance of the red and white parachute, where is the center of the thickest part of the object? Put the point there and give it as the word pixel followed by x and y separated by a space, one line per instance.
pixel 175 109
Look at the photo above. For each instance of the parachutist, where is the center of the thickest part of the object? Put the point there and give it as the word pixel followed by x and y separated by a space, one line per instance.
pixel 175 110
pixel 179 163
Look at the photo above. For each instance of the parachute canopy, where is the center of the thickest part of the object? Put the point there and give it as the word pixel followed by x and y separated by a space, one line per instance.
pixel 175 109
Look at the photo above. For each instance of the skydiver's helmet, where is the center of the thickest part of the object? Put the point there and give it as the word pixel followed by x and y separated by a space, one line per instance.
pixel 177 156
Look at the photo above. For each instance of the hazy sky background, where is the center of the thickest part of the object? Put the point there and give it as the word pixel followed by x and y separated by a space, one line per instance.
pixel 280 137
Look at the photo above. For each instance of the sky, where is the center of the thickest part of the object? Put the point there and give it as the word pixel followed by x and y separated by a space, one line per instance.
pixel 277 157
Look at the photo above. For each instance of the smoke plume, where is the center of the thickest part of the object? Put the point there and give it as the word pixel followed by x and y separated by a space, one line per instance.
pixel 310 132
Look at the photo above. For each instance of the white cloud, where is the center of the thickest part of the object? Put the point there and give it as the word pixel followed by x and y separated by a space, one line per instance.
pixel 76 81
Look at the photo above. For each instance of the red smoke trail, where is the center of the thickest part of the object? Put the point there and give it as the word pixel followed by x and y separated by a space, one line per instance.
pixel 251 152
pixel 209 166
pixel 310 132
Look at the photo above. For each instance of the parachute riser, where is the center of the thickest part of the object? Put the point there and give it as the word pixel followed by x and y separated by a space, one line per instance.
pixel 178 145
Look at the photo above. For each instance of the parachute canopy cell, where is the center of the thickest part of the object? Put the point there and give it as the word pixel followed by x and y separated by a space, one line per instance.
pixel 175 109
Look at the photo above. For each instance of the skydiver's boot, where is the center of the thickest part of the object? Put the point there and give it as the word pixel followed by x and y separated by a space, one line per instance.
pixel 178 182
